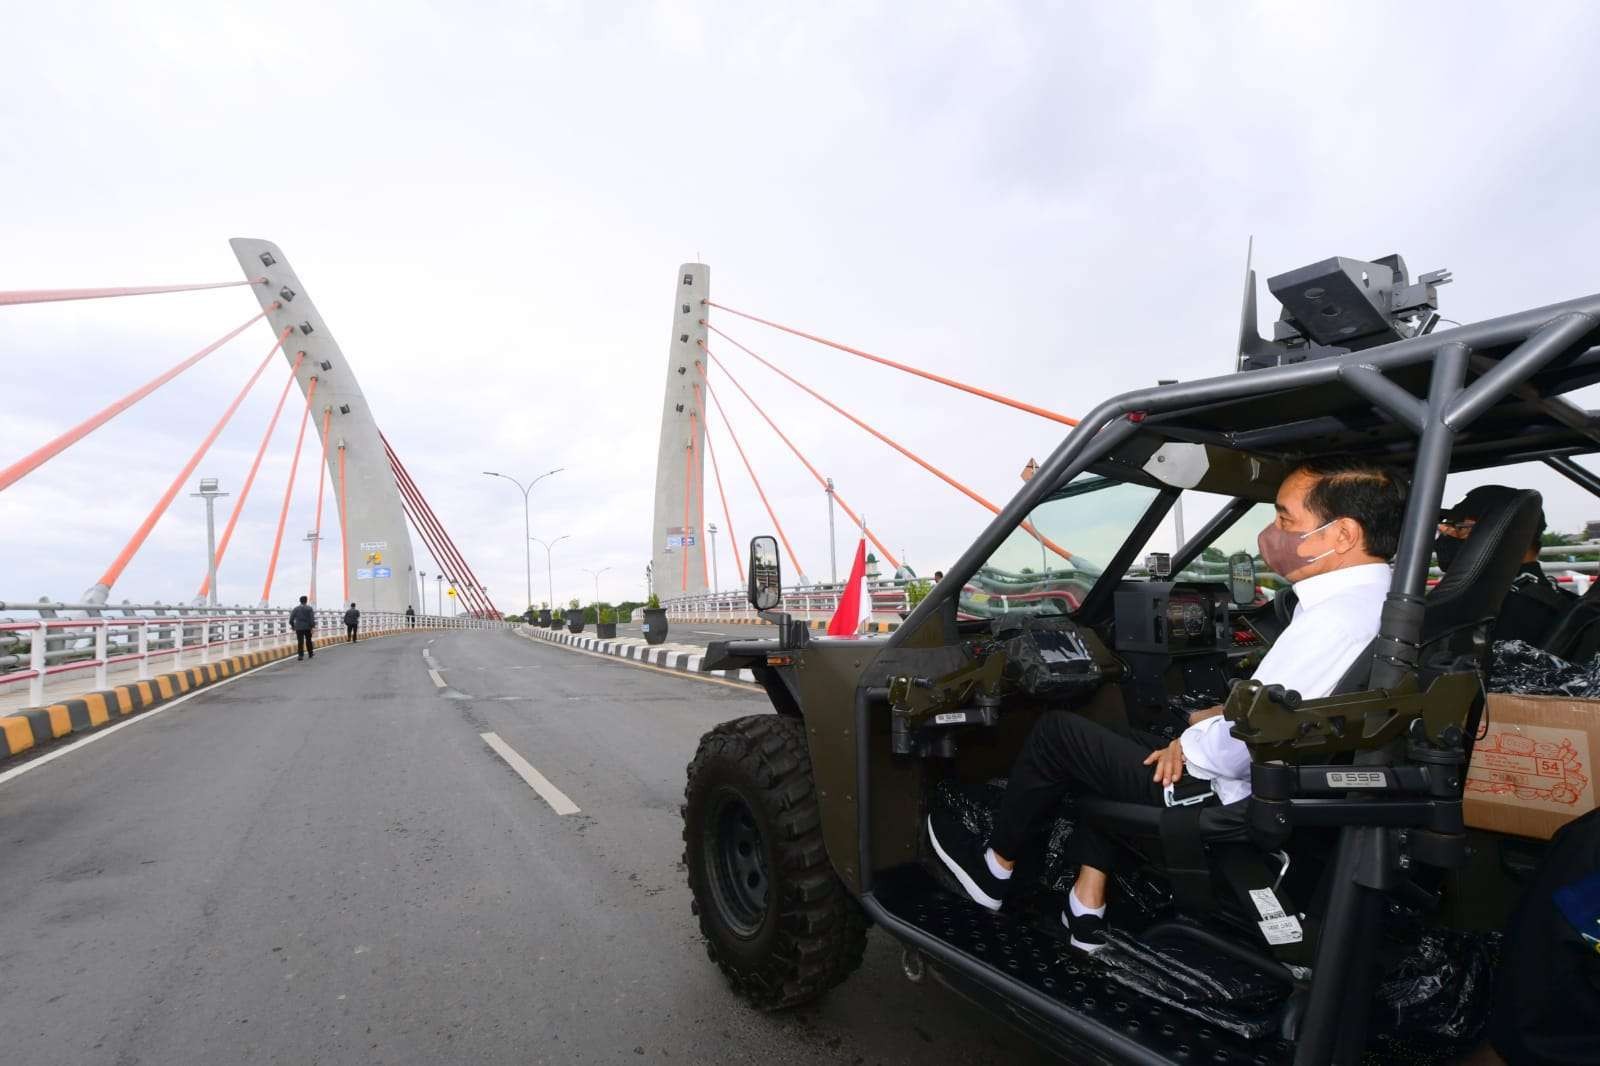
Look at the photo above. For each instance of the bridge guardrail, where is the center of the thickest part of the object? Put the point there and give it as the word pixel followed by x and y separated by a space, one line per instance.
pixel 67 638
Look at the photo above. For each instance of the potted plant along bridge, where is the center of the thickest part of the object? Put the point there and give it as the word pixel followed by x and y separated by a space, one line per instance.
pixel 655 621
pixel 574 617
pixel 605 621
pixel 544 615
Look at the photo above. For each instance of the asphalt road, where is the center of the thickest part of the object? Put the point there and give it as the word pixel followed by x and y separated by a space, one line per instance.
pixel 326 863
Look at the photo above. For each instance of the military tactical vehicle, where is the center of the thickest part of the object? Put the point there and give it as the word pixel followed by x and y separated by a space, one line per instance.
pixel 805 826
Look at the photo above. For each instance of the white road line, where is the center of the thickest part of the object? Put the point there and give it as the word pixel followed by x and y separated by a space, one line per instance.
pixel 101 734
pixel 549 793
pixel 438 682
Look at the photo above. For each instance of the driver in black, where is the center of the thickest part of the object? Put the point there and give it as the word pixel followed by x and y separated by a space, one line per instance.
pixel 1535 604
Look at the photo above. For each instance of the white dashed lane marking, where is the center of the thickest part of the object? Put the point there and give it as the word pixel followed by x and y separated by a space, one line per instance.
pixel 549 793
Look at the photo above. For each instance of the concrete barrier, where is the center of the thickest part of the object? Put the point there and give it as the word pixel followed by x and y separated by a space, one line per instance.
pixel 684 659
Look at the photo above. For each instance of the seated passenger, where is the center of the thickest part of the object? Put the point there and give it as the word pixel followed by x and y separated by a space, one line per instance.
pixel 1535 604
pixel 1338 523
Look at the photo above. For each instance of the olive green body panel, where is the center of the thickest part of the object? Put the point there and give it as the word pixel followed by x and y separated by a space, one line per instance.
pixel 829 673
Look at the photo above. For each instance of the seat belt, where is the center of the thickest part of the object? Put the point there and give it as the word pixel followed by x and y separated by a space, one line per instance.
pixel 1187 865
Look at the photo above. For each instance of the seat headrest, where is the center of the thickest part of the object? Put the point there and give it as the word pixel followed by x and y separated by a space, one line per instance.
pixel 1482 571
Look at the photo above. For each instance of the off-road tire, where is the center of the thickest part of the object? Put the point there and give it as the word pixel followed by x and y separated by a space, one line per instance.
pixel 811 933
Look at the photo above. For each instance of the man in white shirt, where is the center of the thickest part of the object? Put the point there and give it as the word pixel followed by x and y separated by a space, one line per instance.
pixel 1338 524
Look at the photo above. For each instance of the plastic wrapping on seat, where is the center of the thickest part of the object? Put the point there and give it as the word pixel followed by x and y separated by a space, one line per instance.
pixel 1186 976
pixel 1519 668
pixel 1436 998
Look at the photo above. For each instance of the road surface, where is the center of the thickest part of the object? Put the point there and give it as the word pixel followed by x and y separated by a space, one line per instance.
pixel 327 862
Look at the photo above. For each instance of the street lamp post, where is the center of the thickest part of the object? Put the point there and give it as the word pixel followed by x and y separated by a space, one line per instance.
pixel 208 492
pixel 527 553
pixel 549 570
pixel 833 555
pixel 716 585
pixel 596 575
pixel 438 590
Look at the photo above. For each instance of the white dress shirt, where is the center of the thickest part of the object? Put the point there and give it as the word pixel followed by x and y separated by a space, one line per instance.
pixel 1334 621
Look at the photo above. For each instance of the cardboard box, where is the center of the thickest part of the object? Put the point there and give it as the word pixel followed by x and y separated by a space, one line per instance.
pixel 1533 770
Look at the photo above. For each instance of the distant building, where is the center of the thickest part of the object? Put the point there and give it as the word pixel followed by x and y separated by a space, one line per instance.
pixel 1591 530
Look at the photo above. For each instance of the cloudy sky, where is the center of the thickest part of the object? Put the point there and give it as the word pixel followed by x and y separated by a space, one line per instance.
pixel 488 202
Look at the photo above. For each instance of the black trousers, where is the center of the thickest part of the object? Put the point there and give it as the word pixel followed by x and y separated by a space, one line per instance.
pixel 302 642
pixel 350 633
pixel 1066 754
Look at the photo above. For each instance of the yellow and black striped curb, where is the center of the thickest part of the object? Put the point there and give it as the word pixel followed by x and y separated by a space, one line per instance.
pixel 872 627
pixel 32 726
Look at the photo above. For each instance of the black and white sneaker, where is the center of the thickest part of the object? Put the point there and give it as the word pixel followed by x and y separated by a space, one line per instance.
pixel 1088 930
pixel 963 855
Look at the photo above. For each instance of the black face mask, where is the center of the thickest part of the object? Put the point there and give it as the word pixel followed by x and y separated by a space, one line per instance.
pixel 1447 548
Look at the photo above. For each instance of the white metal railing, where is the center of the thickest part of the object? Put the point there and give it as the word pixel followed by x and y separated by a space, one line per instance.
pixel 803 601
pixel 67 639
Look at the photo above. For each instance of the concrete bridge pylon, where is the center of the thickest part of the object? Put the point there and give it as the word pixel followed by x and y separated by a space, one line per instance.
pixel 367 516
pixel 679 553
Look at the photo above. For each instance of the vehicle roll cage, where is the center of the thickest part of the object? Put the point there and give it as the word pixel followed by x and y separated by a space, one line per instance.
pixel 1506 354
pixel 1431 390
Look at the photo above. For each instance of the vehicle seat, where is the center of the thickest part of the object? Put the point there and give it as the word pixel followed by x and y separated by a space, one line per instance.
pixel 1459 612
pixel 1576 638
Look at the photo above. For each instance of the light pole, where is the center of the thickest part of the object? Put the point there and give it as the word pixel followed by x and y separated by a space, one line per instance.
pixel 208 492
pixel 312 536
pixel 438 591
pixel 716 585
pixel 596 575
pixel 527 553
pixel 549 570
pixel 833 555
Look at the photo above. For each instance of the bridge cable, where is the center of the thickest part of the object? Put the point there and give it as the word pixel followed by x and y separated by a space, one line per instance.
pixel 821 481
pixel 322 480
pixel 250 479
pixel 28 463
pixel 120 563
pixel 897 446
pixel 450 561
pixel 462 575
pixel 728 425
pixel 449 566
pixel 344 538
pixel 688 486
pixel 42 296
pixel 727 515
pixel 951 382
pixel 288 493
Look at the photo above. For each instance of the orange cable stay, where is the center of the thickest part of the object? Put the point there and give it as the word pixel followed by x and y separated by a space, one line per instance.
pixel 822 481
pixel 250 478
pixel 120 563
pixel 30 462
pixel 757 481
pixel 897 446
pixel 688 483
pixel 322 479
pixel 727 515
pixel 952 383
pixel 344 539
pixel 288 492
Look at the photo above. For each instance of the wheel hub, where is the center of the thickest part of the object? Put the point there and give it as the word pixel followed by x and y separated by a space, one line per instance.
pixel 736 861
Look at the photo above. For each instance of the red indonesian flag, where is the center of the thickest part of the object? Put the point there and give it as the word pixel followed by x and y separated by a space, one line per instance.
pixel 855 605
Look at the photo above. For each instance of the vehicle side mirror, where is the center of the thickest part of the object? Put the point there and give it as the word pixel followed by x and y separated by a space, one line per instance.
pixel 766 575
pixel 1242 577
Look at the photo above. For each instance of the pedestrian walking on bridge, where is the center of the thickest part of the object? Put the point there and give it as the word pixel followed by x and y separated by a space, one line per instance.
pixel 352 619
pixel 411 616
pixel 303 620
